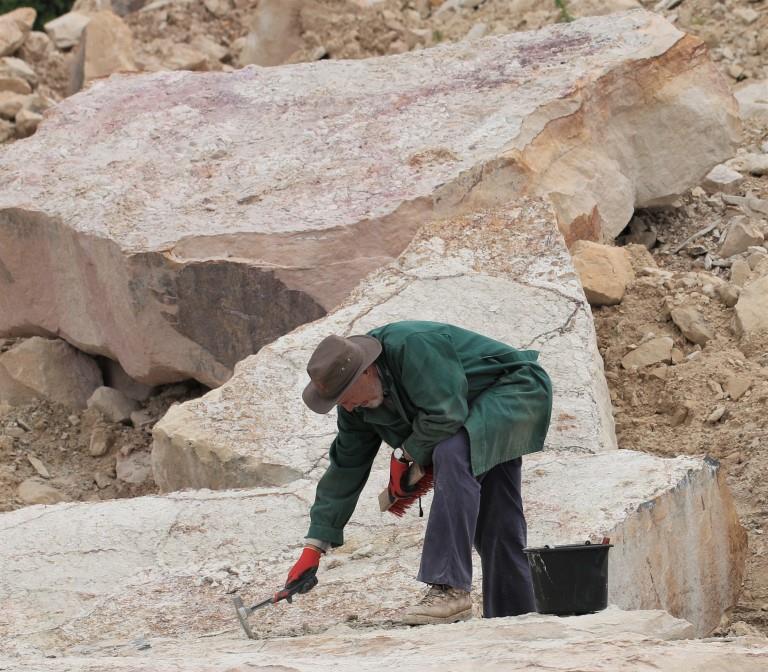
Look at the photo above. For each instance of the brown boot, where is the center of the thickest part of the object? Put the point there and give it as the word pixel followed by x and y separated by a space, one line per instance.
pixel 440 604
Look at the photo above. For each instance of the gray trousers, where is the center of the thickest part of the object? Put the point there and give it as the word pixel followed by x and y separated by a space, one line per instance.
pixel 486 511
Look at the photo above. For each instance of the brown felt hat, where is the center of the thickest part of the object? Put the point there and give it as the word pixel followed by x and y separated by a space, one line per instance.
pixel 334 366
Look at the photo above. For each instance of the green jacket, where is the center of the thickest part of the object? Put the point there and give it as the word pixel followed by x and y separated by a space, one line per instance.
pixel 437 379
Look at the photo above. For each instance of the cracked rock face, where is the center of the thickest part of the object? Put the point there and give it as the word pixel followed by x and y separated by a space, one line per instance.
pixel 177 222
pixel 504 273
pixel 167 566
pixel 611 640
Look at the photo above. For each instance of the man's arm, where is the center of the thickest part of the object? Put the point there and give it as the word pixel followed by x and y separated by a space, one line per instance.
pixel 351 458
pixel 434 380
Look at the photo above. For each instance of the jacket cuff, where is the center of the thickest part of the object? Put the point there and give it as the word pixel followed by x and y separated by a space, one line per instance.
pixel 327 534
pixel 324 546
pixel 416 454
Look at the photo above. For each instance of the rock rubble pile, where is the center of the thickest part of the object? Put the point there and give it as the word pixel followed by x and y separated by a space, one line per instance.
pixel 22 101
pixel 74 427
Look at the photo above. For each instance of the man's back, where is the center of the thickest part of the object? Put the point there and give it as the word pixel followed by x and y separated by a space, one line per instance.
pixel 442 377
pixel 481 358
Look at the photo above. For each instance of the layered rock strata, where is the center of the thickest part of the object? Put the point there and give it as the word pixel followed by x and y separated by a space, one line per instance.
pixel 167 566
pixel 177 222
pixel 505 273
pixel 614 648
pixel 612 640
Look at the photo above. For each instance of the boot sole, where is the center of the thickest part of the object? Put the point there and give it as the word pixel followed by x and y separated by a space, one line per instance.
pixel 416 619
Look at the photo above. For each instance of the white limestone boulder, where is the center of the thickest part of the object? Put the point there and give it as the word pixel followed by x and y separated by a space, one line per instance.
pixel 37 46
pixel 175 56
pixel 15 85
pixel 753 101
pixel 578 8
pixel 113 404
pixel 51 369
pixel 106 47
pixel 199 235
pixel 743 232
pixel 11 36
pixel 505 273
pixel 722 179
pixel 10 103
pixel 27 122
pixel 119 7
pixel 16 67
pixel 167 566
pixel 210 47
pixel 117 378
pixel 751 315
pixel 134 468
pixel 692 324
pixel 218 8
pixel 14 28
pixel 604 271
pixel 24 17
pixel 7 130
pixel 37 491
pixel 92 6
pixel 275 32
pixel 65 30
pixel 13 393
pixel 654 351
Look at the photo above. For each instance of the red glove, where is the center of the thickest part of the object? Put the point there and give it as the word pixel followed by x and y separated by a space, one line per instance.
pixel 403 493
pixel 398 477
pixel 309 560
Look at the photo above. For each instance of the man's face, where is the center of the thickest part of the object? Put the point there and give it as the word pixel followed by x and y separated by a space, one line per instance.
pixel 366 391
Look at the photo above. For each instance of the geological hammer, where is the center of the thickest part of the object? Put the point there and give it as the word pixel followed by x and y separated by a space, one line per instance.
pixel 306 582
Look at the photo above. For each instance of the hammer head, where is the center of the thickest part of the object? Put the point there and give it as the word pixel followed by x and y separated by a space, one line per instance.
pixel 242 614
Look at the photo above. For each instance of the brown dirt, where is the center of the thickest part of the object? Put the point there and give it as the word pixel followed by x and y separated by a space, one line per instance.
pixel 60 438
pixel 664 411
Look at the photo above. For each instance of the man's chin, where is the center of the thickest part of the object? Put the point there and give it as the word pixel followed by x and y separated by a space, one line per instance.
pixel 374 403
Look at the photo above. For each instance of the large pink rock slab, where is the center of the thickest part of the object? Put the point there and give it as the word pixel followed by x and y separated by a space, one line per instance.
pixel 176 222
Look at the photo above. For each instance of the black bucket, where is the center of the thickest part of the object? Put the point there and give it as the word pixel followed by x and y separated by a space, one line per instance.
pixel 570 580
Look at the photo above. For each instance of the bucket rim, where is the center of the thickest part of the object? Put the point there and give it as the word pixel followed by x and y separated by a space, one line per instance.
pixel 566 547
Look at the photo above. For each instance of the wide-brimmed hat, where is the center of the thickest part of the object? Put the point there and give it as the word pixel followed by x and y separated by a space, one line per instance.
pixel 334 366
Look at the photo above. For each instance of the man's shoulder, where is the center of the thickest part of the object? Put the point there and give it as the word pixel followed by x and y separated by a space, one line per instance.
pixel 400 337
pixel 400 331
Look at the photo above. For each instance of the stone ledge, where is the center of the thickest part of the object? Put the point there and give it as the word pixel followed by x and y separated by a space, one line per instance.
pixel 167 566
pixel 613 640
